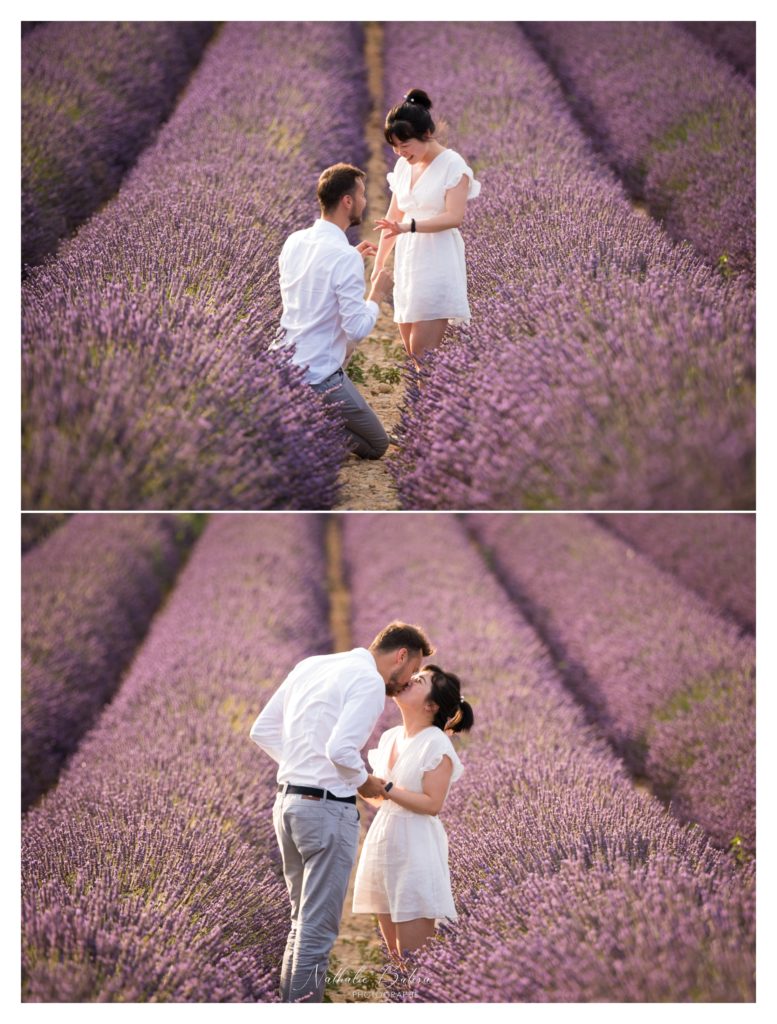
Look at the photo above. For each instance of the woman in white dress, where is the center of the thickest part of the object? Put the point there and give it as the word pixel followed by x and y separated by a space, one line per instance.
pixel 402 875
pixel 430 186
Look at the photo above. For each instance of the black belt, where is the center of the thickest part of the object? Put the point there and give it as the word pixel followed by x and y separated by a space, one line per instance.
pixel 320 793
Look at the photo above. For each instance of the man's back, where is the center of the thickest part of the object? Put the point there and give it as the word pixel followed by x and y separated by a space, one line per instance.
pixel 322 287
pixel 320 716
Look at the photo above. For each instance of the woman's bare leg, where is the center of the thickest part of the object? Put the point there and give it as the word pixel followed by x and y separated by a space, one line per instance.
pixel 426 335
pixel 404 330
pixel 412 934
pixel 389 932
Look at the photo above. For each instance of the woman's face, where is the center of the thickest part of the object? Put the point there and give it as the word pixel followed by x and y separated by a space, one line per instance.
pixel 412 150
pixel 417 692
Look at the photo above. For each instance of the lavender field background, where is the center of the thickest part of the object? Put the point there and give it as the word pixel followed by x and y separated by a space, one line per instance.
pixel 602 838
pixel 610 360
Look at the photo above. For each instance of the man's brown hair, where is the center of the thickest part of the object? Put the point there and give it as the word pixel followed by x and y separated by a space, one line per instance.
pixel 400 634
pixel 335 182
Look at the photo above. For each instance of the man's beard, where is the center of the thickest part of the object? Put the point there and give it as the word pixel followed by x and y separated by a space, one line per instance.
pixel 354 221
pixel 393 686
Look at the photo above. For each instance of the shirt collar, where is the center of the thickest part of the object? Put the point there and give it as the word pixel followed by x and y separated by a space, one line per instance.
pixel 331 229
pixel 367 655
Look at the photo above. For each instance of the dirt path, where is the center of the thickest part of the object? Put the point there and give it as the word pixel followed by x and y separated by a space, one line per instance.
pixel 356 962
pixel 376 366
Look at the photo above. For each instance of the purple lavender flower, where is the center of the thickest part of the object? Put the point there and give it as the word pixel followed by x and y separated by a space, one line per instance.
pixel 571 883
pixel 675 122
pixel 712 554
pixel 93 94
pixel 604 366
pixel 147 382
pixel 670 682
pixel 89 592
pixel 150 873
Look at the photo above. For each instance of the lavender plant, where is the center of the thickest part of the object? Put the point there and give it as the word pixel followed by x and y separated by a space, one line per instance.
pixel 605 366
pixel 712 554
pixel 89 592
pixel 571 884
pixel 670 682
pixel 676 123
pixel 146 377
pixel 149 874
pixel 93 94
pixel 37 525
pixel 734 41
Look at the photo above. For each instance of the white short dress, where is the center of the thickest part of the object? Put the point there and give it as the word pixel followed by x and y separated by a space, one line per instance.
pixel 403 868
pixel 430 275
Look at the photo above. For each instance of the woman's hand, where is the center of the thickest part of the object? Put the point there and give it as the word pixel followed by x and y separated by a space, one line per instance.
pixel 366 249
pixel 391 227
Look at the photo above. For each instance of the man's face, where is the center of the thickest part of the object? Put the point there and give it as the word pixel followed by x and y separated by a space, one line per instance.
pixel 358 202
pixel 408 663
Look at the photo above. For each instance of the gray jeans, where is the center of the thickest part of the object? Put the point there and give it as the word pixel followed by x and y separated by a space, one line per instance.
pixel 318 841
pixel 366 434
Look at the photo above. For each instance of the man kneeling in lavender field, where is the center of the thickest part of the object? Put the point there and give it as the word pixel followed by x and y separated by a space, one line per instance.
pixel 314 726
pixel 324 310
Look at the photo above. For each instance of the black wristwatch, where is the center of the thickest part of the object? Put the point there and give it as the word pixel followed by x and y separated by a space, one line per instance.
pixel 412 225
pixel 387 787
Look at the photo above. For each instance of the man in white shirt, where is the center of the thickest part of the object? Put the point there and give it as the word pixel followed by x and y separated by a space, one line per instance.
pixel 324 310
pixel 314 726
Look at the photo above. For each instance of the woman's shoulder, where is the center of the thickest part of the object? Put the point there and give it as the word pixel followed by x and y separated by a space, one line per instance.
pixel 438 740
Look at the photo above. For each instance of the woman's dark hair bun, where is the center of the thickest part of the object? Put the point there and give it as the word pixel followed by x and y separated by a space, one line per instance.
pixel 419 96
pixel 453 713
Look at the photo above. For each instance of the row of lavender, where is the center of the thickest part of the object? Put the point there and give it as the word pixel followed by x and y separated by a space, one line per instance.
pixel 36 526
pixel 149 874
pixel 712 554
pixel 605 366
pixel 676 123
pixel 92 97
pixel 733 41
pixel 670 682
pixel 89 592
pixel 147 382
pixel 571 885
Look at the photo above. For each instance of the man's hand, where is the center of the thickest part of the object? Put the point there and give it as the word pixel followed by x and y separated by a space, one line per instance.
pixel 373 787
pixel 366 249
pixel 382 286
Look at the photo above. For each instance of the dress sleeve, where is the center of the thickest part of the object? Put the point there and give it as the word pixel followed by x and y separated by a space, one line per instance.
pixel 391 177
pixel 438 748
pixel 456 167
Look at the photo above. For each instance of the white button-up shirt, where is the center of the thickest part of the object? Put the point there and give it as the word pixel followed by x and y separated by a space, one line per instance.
pixel 320 717
pixel 322 286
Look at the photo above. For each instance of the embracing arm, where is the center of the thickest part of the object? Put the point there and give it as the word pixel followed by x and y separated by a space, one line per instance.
pixel 455 207
pixel 435 786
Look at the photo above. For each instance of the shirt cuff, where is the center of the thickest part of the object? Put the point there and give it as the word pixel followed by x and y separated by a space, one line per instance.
pixel 373 305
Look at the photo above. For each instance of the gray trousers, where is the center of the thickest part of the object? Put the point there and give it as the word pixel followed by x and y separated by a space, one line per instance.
pixel 318 841
pixel 366 434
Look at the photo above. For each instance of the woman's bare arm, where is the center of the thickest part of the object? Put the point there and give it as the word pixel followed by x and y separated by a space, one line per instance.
pixel 455 207
pixel 435 786
pixel 387 242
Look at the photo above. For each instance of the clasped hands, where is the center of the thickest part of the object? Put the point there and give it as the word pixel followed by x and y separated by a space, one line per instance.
pixel 373 789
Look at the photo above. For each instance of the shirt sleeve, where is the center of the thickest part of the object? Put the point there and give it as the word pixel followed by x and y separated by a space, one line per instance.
pixel 357 315
pixel 361 711
pixel 267 730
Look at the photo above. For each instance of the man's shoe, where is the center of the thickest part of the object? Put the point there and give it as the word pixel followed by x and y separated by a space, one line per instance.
pixel 393 439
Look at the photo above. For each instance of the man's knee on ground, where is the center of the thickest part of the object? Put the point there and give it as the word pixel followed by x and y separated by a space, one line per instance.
pixel 379 449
